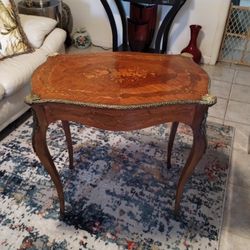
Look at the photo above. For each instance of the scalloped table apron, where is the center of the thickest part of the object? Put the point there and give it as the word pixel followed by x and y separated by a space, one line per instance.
pixel 120 91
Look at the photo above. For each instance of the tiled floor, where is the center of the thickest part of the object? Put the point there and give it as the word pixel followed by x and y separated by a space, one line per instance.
pixel 231 84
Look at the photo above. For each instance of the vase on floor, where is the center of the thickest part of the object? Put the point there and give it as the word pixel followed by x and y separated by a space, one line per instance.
pixel 192 47
pixel 81 39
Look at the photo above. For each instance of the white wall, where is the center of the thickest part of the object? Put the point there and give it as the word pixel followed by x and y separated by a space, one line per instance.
pixel 210 14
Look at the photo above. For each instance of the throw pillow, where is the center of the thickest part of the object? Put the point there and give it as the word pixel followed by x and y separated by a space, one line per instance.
pixel 12 38
pixel 37 28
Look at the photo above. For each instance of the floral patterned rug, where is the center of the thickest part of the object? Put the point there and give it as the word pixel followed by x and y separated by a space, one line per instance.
pixel 120 194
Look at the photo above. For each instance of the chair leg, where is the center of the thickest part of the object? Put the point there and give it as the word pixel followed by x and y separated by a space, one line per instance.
pixel 171 142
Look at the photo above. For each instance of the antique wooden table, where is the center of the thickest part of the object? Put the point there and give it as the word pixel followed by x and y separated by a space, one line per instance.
pixel 120 91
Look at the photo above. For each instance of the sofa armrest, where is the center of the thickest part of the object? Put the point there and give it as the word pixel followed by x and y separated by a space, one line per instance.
pixel 54 42
pixel 15 72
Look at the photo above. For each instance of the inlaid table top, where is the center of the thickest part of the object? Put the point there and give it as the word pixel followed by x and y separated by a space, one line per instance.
pixel 120 80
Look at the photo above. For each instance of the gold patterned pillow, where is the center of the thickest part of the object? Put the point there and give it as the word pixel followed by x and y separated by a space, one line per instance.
pixel 12 38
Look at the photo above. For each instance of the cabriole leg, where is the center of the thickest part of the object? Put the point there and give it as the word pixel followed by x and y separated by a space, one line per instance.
pixel 198 149
pixel 39 143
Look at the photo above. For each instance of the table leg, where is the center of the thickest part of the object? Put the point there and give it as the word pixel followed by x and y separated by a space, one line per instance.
pixel 198 149
pixel 66 129
pixel 171 142
pixel 39 143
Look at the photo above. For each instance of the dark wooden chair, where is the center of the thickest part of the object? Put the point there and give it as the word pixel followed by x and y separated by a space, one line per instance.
pixel 162 33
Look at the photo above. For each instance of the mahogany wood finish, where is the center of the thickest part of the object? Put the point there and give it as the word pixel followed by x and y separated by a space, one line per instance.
pixel 119 91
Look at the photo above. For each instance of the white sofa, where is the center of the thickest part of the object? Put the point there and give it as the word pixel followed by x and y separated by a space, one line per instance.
pixel 16 72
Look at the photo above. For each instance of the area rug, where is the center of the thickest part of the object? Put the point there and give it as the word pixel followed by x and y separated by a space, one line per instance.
pixel 120 194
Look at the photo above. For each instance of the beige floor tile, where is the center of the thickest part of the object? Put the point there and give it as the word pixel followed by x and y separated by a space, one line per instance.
pixel 241 136
pixel 224 64
pixel 207 68
pixel 238 112
pixel 219 109
pixel 240 67
pixel 215 120
pixel 243 77
pixel 240 93
pixel 231 241
pixel 222 73
pixel 240 169
pixel 236 212
pixel 220 88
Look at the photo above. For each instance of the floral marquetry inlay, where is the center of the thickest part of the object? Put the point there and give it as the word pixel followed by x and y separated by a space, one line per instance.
pixel 120 78
pixel 119 75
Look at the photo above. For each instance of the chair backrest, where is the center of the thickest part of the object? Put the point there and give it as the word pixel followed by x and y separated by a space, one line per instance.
pixel 129 24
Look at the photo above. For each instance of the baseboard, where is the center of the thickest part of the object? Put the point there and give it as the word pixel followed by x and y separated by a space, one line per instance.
pixel 107 44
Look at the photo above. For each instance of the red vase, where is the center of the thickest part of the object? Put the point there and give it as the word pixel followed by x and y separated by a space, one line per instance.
pixel 192 46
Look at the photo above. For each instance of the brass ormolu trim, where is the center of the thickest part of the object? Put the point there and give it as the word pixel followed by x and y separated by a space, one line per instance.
pixel 207 99
pixel 31 98
pixel 210 99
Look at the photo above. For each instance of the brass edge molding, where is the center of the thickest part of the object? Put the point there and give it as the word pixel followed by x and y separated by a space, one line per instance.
pixel 206 100
pixel 30 99
pixel 209 99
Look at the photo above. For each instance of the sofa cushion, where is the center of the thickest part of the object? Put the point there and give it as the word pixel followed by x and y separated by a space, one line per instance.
pixel 1 92
pixel 13 107
pixel 37 28
pixel 15 72
pixel 54 42
pixel 12 38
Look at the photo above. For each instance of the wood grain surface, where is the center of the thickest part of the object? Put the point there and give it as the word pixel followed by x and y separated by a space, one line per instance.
pixel 120 78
